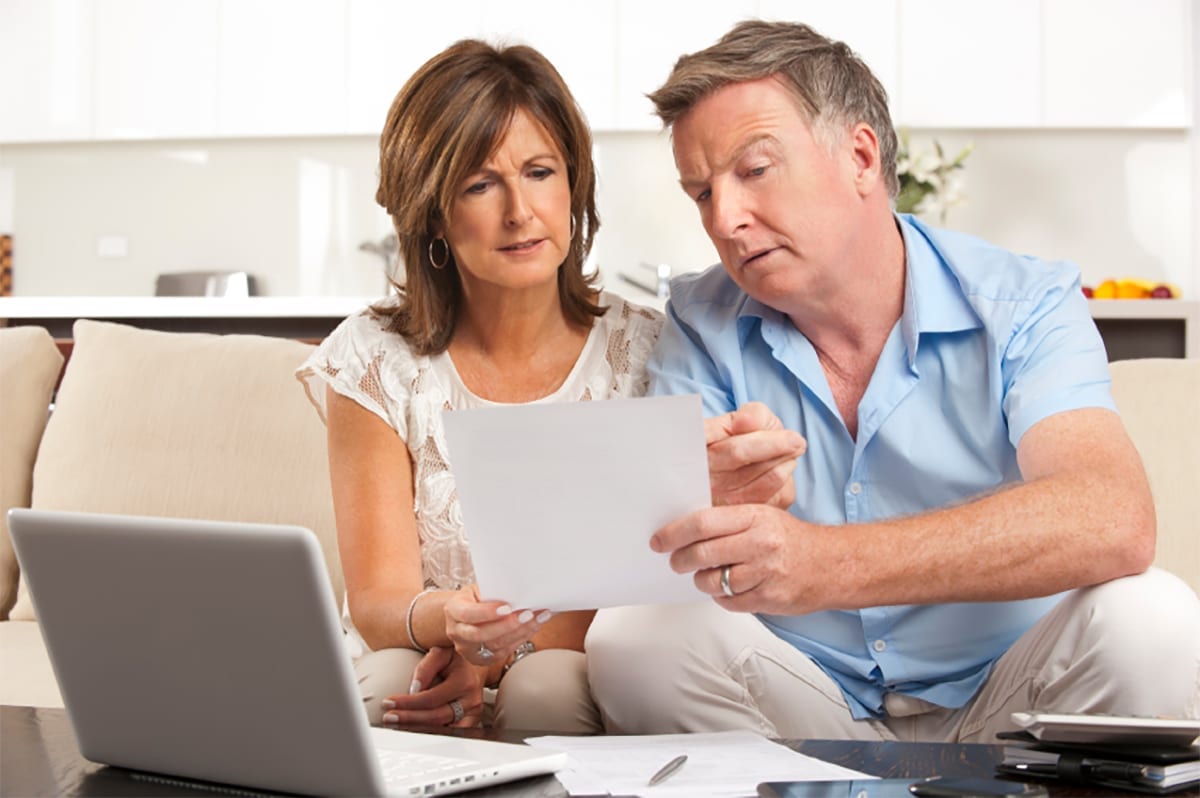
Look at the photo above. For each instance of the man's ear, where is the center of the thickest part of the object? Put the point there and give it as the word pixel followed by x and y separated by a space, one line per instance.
pixel 864 151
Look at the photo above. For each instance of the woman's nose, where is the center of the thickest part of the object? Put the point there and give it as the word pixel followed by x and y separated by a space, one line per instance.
pixel 518 212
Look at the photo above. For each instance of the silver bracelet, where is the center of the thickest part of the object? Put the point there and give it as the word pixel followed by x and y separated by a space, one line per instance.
pixel 408 616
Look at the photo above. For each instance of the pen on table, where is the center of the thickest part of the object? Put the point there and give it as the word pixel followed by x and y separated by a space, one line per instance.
pixel 668 770
pixel 1117 771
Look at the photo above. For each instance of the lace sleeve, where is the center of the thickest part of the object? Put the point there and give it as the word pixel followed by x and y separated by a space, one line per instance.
pixel 630 341
pixel 358 360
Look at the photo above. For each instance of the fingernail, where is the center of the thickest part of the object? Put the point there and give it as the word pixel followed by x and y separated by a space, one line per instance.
pixel 654 545
pixel 415 687
pixel 391 717
pixel 545 616
pixel 388 703
pixel 526 616
pixel 504 609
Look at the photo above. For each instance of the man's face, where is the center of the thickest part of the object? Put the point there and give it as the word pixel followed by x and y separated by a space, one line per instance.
pixel 780 206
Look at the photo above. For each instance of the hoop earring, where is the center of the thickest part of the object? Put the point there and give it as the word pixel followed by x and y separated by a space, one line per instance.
pixel 445 258
pixel 572 238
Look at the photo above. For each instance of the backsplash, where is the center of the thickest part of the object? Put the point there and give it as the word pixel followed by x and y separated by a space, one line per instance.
pixel 294 212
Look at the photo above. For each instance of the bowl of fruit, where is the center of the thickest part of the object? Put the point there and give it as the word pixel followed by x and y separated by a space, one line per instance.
pixel 1132 288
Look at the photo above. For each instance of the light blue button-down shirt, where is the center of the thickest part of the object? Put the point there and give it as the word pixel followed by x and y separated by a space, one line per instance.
pixel 989 343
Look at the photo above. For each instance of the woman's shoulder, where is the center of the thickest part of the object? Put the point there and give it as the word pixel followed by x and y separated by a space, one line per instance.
pixel 367 333
pixel 637 322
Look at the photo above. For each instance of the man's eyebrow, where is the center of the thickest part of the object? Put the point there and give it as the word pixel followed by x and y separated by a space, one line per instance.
pixel 754 142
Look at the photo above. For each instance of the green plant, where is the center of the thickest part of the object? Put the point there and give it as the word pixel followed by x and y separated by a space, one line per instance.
pixel 930 183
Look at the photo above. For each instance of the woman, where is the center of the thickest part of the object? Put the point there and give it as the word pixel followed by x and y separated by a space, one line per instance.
pixel 486 171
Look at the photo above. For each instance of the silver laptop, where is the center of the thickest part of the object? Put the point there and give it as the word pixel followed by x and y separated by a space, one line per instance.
pixel 212 651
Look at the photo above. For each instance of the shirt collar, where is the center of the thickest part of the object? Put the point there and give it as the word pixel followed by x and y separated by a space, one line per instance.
pixel 934 301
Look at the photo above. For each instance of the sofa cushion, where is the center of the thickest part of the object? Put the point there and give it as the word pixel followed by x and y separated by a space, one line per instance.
pixel 29 367
pixel 26 675
pixel 1159 401
pixel 186 425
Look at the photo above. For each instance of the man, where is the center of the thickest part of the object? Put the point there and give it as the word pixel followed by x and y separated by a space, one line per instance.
pixel 969 531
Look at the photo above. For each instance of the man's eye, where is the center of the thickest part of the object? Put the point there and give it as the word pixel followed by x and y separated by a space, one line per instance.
pixel 757 171
pixel 702 196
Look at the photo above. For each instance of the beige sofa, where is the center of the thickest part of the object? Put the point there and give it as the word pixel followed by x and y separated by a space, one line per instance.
pixel 176 424
pixel 151 423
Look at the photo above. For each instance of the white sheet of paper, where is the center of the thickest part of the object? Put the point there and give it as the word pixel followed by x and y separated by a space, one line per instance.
pixel 718 764
pixel 559 500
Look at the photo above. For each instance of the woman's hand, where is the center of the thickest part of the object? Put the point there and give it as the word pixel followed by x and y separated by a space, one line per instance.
pixel 486 632
pixel 446 691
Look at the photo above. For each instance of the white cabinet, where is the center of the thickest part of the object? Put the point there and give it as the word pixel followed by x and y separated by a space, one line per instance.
pixel 580 39
pixel 388 41
pixel 1044 64
pixel 650 38
pixel 155 69
pixel 966 63
pixel 103 69
pixel 867 26
pixel 282 68
pixel 45 70
pixel 1117 63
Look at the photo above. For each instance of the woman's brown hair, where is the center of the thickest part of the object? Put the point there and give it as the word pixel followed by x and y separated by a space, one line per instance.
pixel 443 125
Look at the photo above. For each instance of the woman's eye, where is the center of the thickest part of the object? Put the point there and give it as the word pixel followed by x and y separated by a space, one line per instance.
pixel 540 172
pixel 477 188
pixel 757 171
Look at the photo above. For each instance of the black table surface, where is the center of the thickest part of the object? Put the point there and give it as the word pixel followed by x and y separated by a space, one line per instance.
pixel 39 757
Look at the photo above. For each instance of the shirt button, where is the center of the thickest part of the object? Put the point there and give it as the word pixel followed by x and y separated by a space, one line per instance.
pixel 879 646
pixel 855 488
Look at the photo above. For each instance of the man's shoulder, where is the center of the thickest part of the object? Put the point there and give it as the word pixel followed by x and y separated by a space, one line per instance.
pixel 709 291
pixel 989 273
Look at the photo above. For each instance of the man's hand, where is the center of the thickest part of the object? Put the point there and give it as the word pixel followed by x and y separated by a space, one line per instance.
pixel 775 560
pixel 751 457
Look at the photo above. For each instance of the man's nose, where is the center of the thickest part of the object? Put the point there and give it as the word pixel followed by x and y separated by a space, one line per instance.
pixel 730 213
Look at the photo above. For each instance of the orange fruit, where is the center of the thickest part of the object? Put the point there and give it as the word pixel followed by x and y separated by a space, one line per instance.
pixel 1131 289
pixel 1106 290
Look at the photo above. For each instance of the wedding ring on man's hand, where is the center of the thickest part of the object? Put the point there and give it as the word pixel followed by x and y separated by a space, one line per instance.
pixel 726 588
pixel 484 652
pixel 457 709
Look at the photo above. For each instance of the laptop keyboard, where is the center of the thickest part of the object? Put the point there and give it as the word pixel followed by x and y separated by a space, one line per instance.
pixel 406 766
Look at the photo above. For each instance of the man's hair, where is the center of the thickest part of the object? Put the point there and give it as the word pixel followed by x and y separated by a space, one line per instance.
pixel 834 88
pixel 444 124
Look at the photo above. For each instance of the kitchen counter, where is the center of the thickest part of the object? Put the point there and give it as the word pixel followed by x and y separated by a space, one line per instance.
pixel 1130 327
pixel 1148 327
pixel 293 317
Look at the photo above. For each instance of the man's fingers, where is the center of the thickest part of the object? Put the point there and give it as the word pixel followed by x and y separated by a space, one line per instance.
pixel 702 525
pixel 764 446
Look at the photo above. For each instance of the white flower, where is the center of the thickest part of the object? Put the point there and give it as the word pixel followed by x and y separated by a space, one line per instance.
pixel 930 183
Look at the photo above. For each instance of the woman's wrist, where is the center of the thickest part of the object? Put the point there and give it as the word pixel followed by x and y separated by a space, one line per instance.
pixel 408 621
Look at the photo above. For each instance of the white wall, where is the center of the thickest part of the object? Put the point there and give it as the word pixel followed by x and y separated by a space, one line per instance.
pixel 293 211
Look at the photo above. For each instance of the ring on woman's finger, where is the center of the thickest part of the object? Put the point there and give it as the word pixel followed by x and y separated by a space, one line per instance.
pixel 457 709
pixel 726 588
pixel 484 652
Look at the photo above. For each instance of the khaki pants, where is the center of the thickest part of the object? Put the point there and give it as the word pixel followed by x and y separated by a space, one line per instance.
pixel 545 691
pixel 1127 647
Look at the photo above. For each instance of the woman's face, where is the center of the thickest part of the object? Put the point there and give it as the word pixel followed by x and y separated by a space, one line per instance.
pixel 510 223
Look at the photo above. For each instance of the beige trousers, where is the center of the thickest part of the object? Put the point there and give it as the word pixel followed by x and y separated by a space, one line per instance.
pixel 1129 647
pixel 544 691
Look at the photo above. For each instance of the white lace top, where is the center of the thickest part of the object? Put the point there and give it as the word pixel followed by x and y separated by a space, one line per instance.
pixel 377 369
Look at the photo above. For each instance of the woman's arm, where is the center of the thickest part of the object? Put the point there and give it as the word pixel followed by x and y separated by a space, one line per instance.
pixel 372 477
